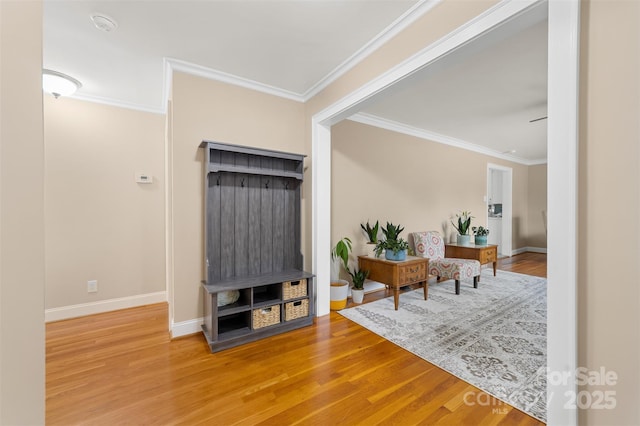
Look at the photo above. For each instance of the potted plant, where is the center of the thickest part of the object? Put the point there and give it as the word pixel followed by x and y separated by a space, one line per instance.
pixel 371 233
pixel 395 248
pixel 463 226
pixel 358 276
pixel 339 288
pixel 480 233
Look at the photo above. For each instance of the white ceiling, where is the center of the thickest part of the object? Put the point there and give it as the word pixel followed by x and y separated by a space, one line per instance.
pixel 290 45
pixel 482 96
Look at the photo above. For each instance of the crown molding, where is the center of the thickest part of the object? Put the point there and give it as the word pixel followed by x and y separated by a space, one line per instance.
pixel 396 27
pixel 395 126
pixel 117 103
pixel 172 64
pixel 204 72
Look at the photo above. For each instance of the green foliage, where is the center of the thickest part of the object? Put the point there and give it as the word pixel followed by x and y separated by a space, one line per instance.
pixel 372 232
pixel 392 240
pixel 464 222
pixel 480 231
pixel 391 231
pixel 358 276
pixel 341 251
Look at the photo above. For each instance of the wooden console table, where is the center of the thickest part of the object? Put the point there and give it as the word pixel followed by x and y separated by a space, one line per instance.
pixel 397 274
pixel 487 253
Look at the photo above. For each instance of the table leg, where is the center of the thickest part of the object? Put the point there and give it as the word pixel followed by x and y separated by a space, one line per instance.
pixel 396 296
pixel 425 285
pixel 495 264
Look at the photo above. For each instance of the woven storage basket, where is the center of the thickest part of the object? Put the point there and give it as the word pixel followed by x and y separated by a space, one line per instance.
pixel 297 309
pixel 264 317
pixel 293 289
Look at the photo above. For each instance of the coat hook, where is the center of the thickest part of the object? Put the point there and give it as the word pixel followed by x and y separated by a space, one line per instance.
pixel 242 183
pixel 218 181
pixel 286 185
pixel 266 185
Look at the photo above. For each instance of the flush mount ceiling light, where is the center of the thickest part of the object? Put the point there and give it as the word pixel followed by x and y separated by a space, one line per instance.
pixel 103 22
pixel 59 84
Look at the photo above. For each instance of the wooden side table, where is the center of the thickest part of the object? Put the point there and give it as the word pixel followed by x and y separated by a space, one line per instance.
pixel 487 253
pixel 397 274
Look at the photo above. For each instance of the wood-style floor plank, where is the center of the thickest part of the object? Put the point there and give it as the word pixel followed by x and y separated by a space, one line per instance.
pixel 122 368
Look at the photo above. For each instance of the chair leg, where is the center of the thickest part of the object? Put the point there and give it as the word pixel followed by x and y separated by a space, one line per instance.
pixel 475 281
pixel 457 286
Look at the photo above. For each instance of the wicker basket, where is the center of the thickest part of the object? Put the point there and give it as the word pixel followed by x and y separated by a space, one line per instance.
pixel 266 316
pixel 294 289
pixel 297 309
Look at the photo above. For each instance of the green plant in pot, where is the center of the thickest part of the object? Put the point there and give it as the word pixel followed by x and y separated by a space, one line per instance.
pixel 463 226
pixel 395 248
pixel 371 233
pixel 358 276
pixel 340 252
pixel 480 233
pixel 339 288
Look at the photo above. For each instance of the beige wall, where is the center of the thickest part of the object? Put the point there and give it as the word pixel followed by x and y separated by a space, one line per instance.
pixel 21 215
pixel 205 109
pixel 382 175
pixel 536 234
pixel 609 178
pixel 100 224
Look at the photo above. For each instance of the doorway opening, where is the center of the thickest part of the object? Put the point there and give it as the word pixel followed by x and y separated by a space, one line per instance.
pixel 562 171
pixel 499 207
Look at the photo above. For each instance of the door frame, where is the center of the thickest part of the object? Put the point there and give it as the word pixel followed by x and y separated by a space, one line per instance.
pixel 506 230
pixel 563 68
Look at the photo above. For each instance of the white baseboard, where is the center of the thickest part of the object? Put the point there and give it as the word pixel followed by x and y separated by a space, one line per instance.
pixel 184 328
pixel 537 249
pixel 531 249
pixel 83 309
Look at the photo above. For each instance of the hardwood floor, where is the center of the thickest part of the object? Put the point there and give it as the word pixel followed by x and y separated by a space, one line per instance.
pixel 122 368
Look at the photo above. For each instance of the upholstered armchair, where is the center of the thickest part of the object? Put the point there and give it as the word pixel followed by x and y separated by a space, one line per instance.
pixel 430 244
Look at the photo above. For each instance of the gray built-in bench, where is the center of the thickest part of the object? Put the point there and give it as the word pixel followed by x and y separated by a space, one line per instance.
pixel 255 285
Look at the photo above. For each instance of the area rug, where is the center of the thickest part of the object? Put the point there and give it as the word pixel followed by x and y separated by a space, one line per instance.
pixel 493 337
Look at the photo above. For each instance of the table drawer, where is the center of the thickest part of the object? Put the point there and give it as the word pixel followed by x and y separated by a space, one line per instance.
pixel 488 255
pixel 412 273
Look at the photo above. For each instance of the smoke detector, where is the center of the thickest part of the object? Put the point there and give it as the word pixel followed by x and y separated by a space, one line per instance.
pixel 104 22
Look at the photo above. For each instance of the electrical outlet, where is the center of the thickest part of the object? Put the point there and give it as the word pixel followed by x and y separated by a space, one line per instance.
pixel 92 286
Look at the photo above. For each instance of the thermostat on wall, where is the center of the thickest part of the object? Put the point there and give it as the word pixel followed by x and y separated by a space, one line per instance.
pixel 144 178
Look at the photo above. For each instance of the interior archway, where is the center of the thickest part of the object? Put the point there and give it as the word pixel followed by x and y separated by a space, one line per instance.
pixel 562 175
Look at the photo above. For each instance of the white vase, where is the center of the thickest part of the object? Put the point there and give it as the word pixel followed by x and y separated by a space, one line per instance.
pixel 372 249
pixel 357 295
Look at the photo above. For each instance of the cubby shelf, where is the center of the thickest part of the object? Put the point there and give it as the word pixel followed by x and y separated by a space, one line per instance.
pixel 252 245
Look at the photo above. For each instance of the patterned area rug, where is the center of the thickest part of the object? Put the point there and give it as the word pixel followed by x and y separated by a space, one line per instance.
pixel 493 337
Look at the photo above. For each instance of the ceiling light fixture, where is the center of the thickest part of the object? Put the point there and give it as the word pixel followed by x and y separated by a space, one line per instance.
pixel 59 84
pixel 103 22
